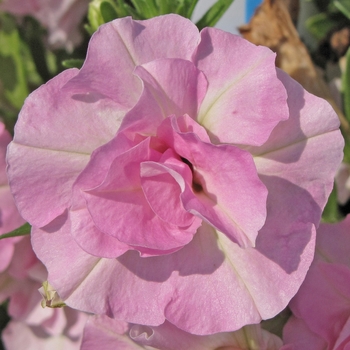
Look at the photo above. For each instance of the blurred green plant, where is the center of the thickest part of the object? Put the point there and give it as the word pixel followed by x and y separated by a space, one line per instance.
pixel 333 14
pixel 103 11
pixel 12 70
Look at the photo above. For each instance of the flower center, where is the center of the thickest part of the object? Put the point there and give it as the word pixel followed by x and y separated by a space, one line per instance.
pixel 196 186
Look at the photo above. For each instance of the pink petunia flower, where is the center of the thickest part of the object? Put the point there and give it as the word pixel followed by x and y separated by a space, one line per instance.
pixel 103 332
pixel 321 309
pixel 177 176
pixel 61 18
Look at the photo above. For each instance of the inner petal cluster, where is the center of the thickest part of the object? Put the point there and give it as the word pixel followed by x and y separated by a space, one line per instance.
pixel 155 195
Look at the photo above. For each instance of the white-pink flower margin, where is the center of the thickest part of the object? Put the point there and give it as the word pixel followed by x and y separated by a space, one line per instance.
pixel 177 176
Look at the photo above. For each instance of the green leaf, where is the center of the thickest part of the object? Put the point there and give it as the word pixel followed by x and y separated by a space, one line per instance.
pixel 33 34
pixel 122 8
pixel 21 231
pixel 331 212
pixel 73 63
pixel 12 70
pixel 147 8
pixel 346 86
pixel 343 6
pixel 212 16
pixel 101 12
pixel 108 11
pixel 190 6
pixel 319 25
pixel 346 148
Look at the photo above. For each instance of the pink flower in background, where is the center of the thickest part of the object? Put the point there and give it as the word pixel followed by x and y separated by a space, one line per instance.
pixel 61 18
pixel 172 177
pixel 10 218
pixel 109 334
pixel 321 309
pixel 32 327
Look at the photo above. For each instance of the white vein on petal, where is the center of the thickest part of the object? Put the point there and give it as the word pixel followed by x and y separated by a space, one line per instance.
pixel 221 246
pixel 51 149
pixel 85 277
pixel 250 70
pixel 126 47
pixel 262 155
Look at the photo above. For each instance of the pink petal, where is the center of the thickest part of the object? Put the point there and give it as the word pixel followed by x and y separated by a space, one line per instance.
pixel 232 198
pixel 10 218
pixel 178 86
pixel 105 333
pixel 299 337
pixel 231 285
pixel 100 161
pixel 60 151
pixel 333 243
pixel 311 135
pixel 18 335
pixel 168 337
pixel 171 86
pixel 322 301
pixel 91 239
pixel 119 46
pixel 343 341
pixel 119 208
pixel 243 91
pixel 6 252
pixel 163 184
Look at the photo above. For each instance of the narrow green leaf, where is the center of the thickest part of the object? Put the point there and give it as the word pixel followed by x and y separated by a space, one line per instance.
pixel 122 8
pixel 184 7
pixel 346 86
pixel 21 231
pixel 73 63
pixel 165 6
pixel 12 70
pixel 211 17
pixel 319 25
pixel 343 6
pixel 190 5
pixel 34 34
pixel 331 212
pixel 108 11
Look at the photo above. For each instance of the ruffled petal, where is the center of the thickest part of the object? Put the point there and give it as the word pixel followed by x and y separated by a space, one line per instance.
pixel 245 100
pixel 211 285
pixel 119 46
pixel 56 133
pixel 226 191
pixel 310 136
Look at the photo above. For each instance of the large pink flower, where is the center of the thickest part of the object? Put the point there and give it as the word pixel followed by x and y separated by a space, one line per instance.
pixel 176 176
pixel 61 17
pixel 321 307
